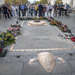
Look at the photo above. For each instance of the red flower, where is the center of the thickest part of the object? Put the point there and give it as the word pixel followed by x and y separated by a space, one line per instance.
pixel 1 50
pixel 73 38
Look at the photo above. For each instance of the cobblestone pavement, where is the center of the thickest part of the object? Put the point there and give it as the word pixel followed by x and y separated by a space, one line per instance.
pixel 16 63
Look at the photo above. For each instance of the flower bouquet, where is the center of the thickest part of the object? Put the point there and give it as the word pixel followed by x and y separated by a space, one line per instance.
pixel 53 22
pixel 3 51
pixel 15 25
pixel 64 28
pixel 73 39
pixel 1 43
pixel 15 30
pixel 6 39
pixel 50 18
pixel 58 23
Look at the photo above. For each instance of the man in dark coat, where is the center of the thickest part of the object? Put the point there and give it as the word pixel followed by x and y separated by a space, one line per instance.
pixel 5 11
pixel 40 10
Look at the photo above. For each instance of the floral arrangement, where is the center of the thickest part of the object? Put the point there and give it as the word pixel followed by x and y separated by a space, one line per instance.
pixel 15 30
pixel 73 38
pixel 6 39
pixel 34 18
pixel 63 27
pixel 15 25
pixel 54 22
pixel 59 24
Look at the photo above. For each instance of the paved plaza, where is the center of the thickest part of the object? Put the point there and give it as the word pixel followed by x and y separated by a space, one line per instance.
pixel 41 37
pixel 36 39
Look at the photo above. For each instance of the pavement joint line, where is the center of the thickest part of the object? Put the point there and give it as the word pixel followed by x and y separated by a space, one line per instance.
pixel 48 49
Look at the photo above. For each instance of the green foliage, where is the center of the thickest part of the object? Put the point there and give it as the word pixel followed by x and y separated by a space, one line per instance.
pixel 41 1
pixel 59 2
pixel 16 1
pixel 8 38
pixel 37 2
pixel 44 1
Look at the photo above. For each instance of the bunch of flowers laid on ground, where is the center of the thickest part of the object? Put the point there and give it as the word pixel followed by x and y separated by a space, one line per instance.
pixel 54 22
pixel 59 24
pixel 63 27
pixel 33 18
pixel 6 39
pixel 15 30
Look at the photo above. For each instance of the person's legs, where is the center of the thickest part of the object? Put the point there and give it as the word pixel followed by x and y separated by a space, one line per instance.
pixel 49 13
pixel 8 15
pixel 52 13
pixel 25 12
pixel 39 13
pixel 5 15
pixel 0 14
pixel 42 13
pixel 66 12
pixel 60 12
pixel 31 14
pixel 19 13
pixel 35 13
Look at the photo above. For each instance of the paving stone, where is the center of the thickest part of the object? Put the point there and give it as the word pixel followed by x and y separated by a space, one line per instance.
pixel 10 68
pixel 41 37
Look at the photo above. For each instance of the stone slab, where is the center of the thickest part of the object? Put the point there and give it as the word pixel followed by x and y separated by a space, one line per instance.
pixel 41 37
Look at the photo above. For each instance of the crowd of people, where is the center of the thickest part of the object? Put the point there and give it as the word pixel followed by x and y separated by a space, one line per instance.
pixel 41 10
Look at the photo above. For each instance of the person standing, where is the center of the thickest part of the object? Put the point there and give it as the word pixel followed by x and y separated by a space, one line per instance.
pixel 32 10
pixel 66 7
pixel 10 11
pixel 49 10
pixel 36 9
pixel 5 11
pixel 0 11
pixel 55 10
pixel 40 10
pixel 25 10
pixel 22 7
pixel 60 9
pixel 44 10
pixel 19 11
